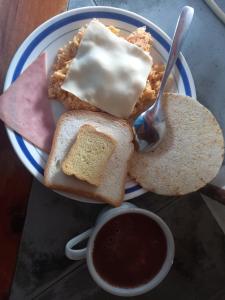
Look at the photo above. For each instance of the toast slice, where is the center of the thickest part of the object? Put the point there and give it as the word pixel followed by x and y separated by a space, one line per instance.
pixel 189 156
pixel 111 188
pixel 88 156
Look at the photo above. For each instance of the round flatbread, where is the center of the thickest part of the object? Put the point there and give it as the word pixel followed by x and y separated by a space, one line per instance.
pixel 190 154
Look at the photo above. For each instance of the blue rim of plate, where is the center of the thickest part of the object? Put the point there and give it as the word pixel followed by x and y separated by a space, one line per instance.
pixel 79 17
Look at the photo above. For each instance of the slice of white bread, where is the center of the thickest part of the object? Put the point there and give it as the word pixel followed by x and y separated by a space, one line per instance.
pixel 111 189
pixel 190 155
pixel 89 154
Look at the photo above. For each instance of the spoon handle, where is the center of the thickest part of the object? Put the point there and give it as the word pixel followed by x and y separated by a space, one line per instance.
pixel 181 30
pixel 214 192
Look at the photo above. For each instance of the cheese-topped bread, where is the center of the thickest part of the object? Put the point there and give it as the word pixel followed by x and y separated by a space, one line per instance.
pixel 108 71
pixel 189 156
pixel 88 156
pixel 140 37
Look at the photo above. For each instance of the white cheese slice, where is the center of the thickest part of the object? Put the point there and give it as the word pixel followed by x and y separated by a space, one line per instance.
pixel 108 72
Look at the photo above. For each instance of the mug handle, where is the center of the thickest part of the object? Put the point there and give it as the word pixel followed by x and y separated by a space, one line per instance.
pixel 80 253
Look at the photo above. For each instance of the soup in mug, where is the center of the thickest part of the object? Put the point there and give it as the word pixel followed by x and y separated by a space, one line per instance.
pixel 129 250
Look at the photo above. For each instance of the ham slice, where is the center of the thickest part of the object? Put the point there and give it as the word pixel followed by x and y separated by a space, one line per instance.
pixel 25 107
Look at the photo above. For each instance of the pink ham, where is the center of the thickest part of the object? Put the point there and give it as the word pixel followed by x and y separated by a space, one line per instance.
pixel 25 107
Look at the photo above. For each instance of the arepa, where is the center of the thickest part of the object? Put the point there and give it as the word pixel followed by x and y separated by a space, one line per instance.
pixel 190 154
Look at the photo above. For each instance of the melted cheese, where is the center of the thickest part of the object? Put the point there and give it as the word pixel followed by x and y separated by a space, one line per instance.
pixel 108 72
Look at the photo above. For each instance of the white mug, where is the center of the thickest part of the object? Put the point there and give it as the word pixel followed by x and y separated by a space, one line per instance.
pixel 106 215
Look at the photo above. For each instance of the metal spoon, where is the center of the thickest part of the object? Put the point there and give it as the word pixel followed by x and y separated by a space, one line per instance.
pixel 150 127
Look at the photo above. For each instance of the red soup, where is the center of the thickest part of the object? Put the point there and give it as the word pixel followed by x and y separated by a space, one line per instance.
pixel 129 250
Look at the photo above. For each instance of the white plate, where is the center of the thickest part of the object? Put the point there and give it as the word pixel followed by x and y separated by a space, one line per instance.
pixel 53 34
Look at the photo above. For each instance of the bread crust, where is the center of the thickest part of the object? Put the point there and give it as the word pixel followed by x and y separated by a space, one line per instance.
pixel 89 128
